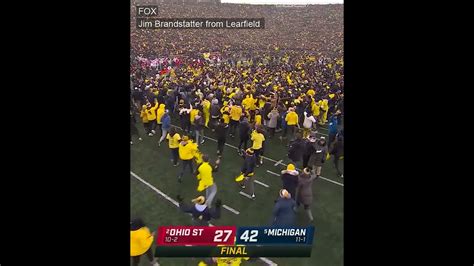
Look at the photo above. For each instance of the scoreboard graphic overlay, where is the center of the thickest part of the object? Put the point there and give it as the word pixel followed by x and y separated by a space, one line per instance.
pixel 232 241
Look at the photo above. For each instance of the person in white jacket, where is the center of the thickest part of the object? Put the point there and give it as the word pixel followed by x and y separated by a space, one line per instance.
pixel 308 123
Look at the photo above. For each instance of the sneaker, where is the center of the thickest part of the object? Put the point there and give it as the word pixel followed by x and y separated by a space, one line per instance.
pixel 239 179
pixel 253 196
pixel 342 176
pixel 131 142
pixel 202 142
pixel 153 131
pixel 140 139
pixel 258 165
pixel 150 134
pixel 176 164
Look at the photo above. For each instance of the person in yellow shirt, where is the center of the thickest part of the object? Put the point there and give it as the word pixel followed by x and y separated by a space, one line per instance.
pixel 159 114
pixel 235 114
pixel 226 114
pixel 324 111
pixel 291 122
pixel 144 118
pixel 206 180
pixel 151 116
pixel 253 103
pixel 258 138
pixel 206 109
pixel 140 242
pixel 187 151
pixel 173 141
pixel 247 102
pixel 192 115
pixel 315 108
pixel 258 118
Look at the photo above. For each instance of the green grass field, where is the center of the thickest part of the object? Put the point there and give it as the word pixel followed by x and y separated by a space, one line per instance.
pixel 152 164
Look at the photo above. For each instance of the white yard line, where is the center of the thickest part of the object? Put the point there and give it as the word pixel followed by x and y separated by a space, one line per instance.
pixel 267 261
pixel 245 194
pixel 332 181
pixel 273 173
pixel 279 162
pixel 230 209
pixel 155 189
pixel 261 183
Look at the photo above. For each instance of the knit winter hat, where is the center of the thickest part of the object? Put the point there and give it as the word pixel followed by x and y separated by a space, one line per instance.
pixel 290 167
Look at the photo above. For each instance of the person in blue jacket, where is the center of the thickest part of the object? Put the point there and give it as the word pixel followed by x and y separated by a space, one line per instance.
pixel 333 126
pixel 284 210
pixel 165 126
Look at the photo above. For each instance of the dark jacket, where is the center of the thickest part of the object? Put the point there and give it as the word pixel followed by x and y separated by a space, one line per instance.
pixel 249 164
pixel 319 155
pixel 304 189
pixel 200 213
pixel 198 123
pixel 308 148
pixel 215 110
pixel 170 102
pixel 338 147
pixel 283 213
pixel 290 181
pixel 221 131
pixel 244 130
pixel 184 116
pixel 267 108
pixel 296 150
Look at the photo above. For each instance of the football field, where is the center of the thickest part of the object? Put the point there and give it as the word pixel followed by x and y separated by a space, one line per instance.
pixel 154 186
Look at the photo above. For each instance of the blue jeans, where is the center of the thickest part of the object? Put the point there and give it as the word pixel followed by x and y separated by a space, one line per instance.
pixel 199 135
pixel 210 194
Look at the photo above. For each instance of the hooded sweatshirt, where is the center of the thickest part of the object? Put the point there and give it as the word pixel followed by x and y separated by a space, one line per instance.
pixel 159 113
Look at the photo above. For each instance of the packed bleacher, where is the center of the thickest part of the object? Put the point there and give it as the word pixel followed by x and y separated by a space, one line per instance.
pixel 294 64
